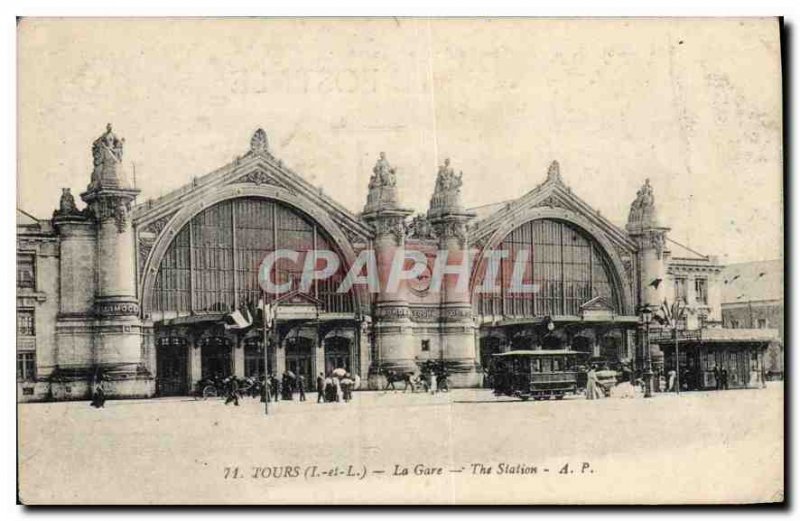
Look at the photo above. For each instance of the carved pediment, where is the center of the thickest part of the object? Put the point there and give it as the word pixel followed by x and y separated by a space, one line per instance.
pixel 298 298
pixel 597 305
pixel 261 177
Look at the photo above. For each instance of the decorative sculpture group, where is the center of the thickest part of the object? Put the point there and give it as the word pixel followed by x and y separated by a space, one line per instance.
pixel 642 211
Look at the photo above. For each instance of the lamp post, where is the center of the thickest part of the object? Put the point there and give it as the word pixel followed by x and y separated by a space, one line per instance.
pixel 647 316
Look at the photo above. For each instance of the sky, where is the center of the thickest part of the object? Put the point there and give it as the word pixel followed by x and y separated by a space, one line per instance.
pixel 693 104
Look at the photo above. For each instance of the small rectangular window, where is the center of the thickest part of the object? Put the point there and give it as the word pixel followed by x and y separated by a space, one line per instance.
pixel 26 271
pixel 762 323
pixel 25 322
pixel 701 291
pixel 680 289
pixel 425 345
pixel 26 366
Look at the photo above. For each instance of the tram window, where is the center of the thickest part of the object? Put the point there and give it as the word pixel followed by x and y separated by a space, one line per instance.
pixel 556 364
pixel 537 366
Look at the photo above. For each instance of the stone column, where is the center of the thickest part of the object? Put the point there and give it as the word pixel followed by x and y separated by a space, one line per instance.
pixel 650 237
pixel 457 325
pixel 118 337
pixel 77 265
pixel 238 358
pixel 392 319
pixel 195 361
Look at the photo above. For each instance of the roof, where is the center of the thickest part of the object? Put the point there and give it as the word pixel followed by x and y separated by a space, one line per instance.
pixel 25 219
pixel 538 352
pixel 483 211
pixel 719 335
pixel 752 281
pixel 679 251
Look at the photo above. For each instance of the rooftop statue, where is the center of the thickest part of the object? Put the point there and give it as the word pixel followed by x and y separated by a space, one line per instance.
pixel 643 212
pixel 382 193
pixel 447 193
pixel 107 155
pixel 383 174
pixel 446 180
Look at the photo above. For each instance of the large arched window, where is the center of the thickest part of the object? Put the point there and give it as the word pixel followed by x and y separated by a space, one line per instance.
pixel 568 265
pixel 214 260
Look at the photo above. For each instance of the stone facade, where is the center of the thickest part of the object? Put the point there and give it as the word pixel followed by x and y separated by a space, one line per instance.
pixel 97 269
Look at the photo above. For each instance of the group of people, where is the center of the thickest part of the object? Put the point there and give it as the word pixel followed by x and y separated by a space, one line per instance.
pixel 268 388
pixel 336 387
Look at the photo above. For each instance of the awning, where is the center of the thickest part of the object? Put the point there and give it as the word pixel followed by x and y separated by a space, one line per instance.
pixel 562 320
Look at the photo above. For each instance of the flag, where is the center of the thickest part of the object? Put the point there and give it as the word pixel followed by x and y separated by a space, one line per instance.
pixel 655 283
pixel 247 316
pixel 237 321
pixel 670 315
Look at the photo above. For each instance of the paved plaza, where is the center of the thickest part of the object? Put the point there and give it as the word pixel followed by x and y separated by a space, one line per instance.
pixel 462 446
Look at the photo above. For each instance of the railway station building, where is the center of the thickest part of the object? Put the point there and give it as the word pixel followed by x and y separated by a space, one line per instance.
pixel 142 291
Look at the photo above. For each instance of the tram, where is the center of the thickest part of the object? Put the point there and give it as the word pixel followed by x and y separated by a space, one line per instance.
pixel 540 374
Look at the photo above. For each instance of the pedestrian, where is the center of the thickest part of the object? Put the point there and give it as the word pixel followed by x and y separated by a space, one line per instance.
pixel 98 395
pixel 724 376
pixel 286 386
pixel 593 390
pixel 321 388
pixel 330 389
pixel 301 387
pixel 338 383
pixel 717 378
pixel 274 385
pixel 347 387
pixel 432 380
pixel 232 390
pixel 672 375
pixel 263 382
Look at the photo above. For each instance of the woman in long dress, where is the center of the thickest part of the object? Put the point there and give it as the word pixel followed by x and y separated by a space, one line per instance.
pixel 593 390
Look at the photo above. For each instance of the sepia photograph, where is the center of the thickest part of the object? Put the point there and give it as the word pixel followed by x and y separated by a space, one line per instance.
pixel 400 261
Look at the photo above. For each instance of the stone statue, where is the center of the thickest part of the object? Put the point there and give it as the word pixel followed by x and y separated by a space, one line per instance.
pixel 67 203
pixel 420 228
pixel 446 179
pixel 383 173
pixel 107 155
pixel 642 212
pixel 447 192
pixel 382 193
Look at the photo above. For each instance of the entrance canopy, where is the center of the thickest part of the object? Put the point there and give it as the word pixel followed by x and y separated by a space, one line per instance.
pixel 717 337
pixel 566 320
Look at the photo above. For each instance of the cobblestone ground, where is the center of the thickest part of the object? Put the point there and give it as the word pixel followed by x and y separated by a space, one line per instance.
pixel 462 446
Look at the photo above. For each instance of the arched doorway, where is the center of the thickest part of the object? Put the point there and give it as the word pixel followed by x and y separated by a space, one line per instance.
pixel 172 365
pixel 337 354
pixel 215 357
pixel 300 356
pixel 582 344
pixel 489 346
pixel 551 341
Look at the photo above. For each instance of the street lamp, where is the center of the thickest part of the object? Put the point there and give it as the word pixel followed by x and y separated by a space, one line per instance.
pixel 647 316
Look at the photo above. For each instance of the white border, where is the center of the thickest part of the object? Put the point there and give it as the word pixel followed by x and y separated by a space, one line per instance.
pixel 13 8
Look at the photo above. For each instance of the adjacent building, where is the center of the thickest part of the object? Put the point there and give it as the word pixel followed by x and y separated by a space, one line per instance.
pixel 140 293
pixel 752 298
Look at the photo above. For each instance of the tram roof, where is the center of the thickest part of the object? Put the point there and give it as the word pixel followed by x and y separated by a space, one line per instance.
pixel 538 352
